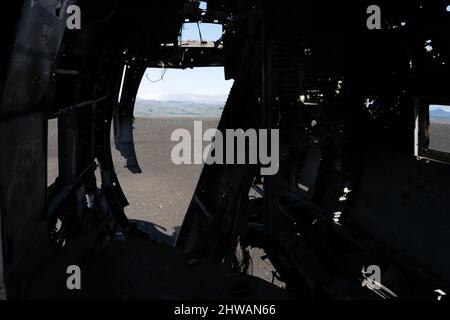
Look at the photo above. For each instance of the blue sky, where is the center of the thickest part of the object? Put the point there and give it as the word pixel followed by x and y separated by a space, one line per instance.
pixel 209 31
pixel 437 107
pixel 199 84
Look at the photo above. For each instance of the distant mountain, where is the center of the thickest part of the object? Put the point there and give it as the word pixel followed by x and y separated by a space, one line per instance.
pixel 439 114
pixel 150 108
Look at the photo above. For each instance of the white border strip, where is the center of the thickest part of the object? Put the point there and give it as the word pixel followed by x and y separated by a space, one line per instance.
pixel 2 278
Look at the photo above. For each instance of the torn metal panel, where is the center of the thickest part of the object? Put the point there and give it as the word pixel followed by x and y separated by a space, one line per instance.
pixel 32 57
pixel 124 117
pixel 23 184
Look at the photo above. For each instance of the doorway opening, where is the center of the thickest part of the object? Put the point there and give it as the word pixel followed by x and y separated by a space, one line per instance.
pixel 167 100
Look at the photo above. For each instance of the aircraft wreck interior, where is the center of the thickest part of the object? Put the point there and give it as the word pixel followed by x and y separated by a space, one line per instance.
pixel 358 184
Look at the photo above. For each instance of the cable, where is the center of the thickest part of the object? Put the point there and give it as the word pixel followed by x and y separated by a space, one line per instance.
pixel 200 33
pixel 163 73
